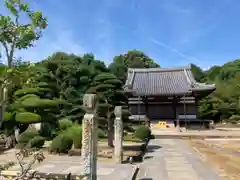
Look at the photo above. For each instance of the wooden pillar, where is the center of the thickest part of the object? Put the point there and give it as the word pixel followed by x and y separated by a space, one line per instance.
pixel 175 107
pixel 146 107
pixel 196 111
pixel 185 112
pixel 139 106
pixel 177 118
pixel 196 105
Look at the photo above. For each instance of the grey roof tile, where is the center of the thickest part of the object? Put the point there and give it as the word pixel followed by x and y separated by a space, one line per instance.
pixel 161 81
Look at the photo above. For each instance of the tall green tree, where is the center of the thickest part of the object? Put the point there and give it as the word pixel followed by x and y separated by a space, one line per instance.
pixel 16 34
pixel 198 73
pixel 224 102
pixel 132 59
pixel 111 94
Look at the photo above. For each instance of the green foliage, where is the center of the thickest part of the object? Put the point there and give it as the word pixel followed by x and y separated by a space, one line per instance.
pixel 132 59
pixel 16 34
pixel 33 96
pixel 235 118
pixel 224 102
pixel 75 132
pixel 26 136
pixel 142 132
pixel 25 91
pixel 65 124
pixel 199 75
pixel 39 103
pixel 36 142
pixel 62 143
pixel 8 116
pixel 101 133
pixel 27 118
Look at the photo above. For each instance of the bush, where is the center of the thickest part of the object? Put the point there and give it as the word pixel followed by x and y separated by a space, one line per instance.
pixel 37 142
pixel 26 136
pixel 75 132
pixel 64 124
pixel 235 118
pixel 101 133
pixel 142 132
pixel 62 143
pixel 27 117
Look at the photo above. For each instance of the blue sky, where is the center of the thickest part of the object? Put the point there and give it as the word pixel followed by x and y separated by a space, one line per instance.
pixel 172 32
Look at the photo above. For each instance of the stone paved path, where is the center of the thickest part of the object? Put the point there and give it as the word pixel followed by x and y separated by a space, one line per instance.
pixel 171 159
pixel 65 164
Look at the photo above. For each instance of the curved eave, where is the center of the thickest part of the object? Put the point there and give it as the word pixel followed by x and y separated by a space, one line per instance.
pixel 203 91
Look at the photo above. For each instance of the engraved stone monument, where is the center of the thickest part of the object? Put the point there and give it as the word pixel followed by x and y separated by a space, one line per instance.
pixel 118 135
pixel 90 137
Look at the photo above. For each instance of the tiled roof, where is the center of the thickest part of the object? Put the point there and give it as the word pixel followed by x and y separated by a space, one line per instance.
pixel 161 81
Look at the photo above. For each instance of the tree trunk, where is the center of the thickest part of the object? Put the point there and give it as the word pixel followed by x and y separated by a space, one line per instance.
pixel 11 141
pixel 110 132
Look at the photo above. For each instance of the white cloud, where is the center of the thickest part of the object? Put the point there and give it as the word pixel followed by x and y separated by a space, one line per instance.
pixel 173 49
pixel 62 41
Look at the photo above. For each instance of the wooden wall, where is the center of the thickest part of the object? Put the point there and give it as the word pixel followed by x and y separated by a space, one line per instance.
pixel 162 110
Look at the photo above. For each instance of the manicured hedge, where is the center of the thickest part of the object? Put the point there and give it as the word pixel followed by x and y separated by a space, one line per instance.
pixel 64 124
pixel 62 143
pixel 27 118
pixel 37 142
pixel 142 132
pixel 26 136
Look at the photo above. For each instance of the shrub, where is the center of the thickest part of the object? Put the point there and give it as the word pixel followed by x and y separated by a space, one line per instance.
pixel 142 132
pixel 62 143
pixel 26 136
pixel 37 142
pixel 75 132
pixel 64 124
pixel 27 117
pixel 235 118
pixel 101 133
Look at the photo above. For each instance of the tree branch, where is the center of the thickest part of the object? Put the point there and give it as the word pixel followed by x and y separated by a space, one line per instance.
pixel 37 156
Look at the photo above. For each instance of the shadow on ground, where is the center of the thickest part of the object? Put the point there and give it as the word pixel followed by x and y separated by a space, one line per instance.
pixel 146 179
pixel 152 148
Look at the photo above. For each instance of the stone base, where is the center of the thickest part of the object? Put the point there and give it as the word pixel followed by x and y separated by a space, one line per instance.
pixel 74 152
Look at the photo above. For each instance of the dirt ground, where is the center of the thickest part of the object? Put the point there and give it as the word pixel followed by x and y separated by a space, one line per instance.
pixel 221 155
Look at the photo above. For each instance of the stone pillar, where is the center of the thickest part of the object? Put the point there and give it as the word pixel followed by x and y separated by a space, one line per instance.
pixel 90 137
pixel 118 135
